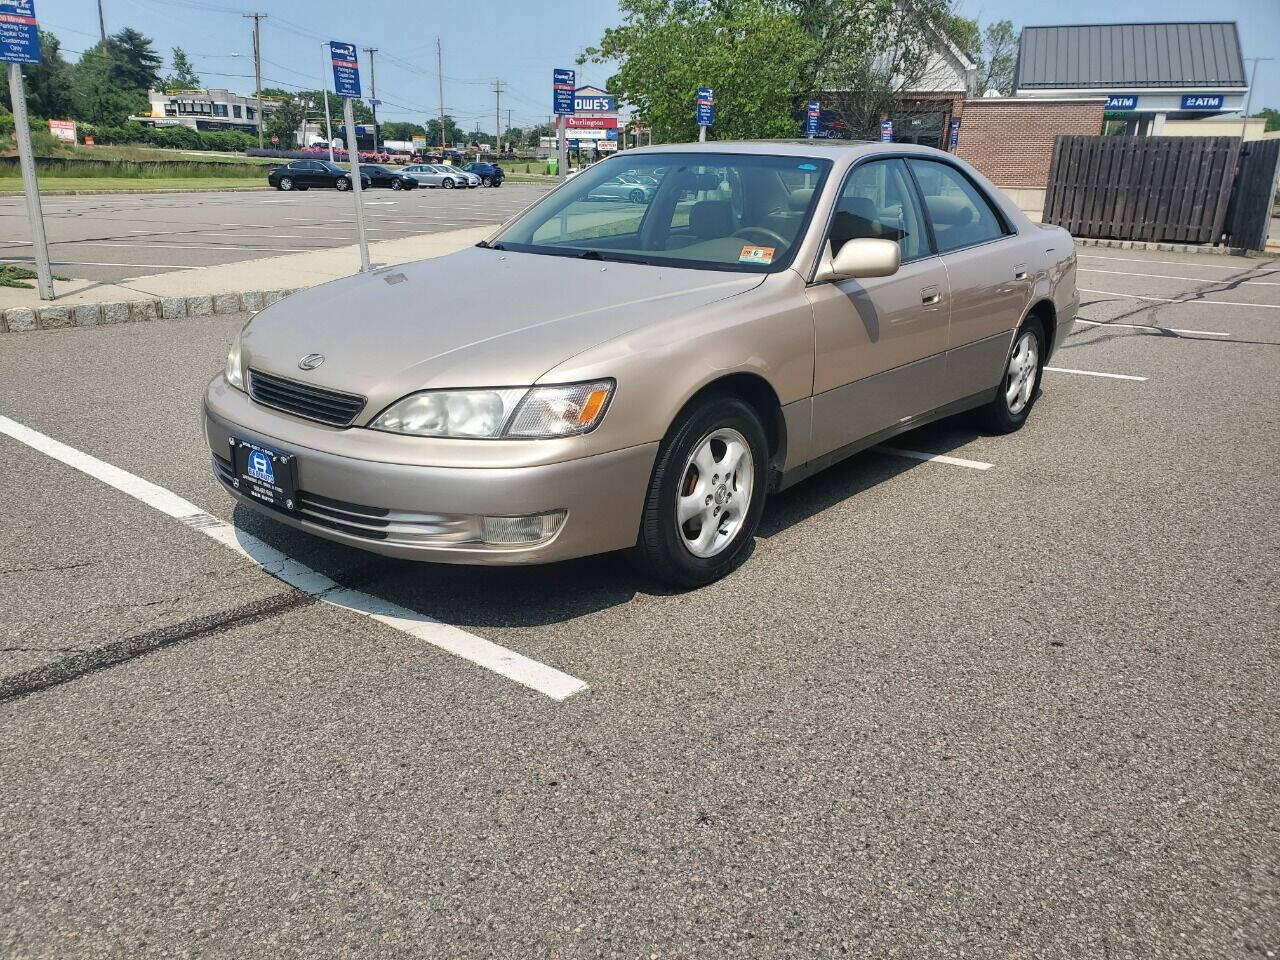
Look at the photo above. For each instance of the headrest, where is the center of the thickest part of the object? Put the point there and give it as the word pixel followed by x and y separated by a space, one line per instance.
pixel 709 219
pixel 799 199
pixel 949 211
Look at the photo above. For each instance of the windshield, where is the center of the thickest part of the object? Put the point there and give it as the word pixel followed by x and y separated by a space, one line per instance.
pixel 708 211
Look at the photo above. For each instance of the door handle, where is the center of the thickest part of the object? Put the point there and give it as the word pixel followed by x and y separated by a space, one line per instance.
pixel 1020 272
pixel 930 295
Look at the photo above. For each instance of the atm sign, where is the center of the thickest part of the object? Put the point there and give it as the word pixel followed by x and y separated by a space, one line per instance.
pixel 1121 102
pixel 1199 102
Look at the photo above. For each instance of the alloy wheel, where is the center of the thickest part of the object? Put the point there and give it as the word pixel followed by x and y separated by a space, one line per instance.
pixel 715 492
pixel 1020 380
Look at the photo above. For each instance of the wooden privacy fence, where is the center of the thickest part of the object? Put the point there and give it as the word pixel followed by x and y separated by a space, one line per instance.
pixel 1249 215
pixel 1142 188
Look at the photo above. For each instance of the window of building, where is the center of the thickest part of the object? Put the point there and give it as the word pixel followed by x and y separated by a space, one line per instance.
pixel 219 109
pixel 236 111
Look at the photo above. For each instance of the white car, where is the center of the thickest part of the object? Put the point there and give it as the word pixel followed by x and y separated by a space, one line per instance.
pixel 470 179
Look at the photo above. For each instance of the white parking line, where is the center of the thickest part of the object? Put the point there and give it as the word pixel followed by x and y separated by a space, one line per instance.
pixel 1096 373
pixel 1216 303
pixel 1165 276
pixel 91 263
pixel 1148 326
pixel 514 666
pixel 940 458
pixel 1176 263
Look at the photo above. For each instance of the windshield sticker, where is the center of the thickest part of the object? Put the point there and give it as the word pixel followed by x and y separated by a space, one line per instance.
pixel 753 254
pixel 808 166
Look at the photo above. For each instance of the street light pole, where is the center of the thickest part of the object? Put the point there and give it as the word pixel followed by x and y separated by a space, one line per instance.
pixel 324 92
pixel 1248 97
pixel 257 66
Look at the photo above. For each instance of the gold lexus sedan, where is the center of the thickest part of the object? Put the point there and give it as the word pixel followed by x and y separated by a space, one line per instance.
pixel 606 374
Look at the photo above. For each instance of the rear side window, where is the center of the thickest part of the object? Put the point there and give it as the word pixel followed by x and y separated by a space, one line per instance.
pixel 961 214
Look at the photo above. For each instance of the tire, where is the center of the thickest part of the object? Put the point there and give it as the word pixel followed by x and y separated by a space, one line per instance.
pixel 397 185
pixel 486 181
pixel 1020 385
pixel 668 550
pixel 637 196
pixel 286 183
pixel 448 183
pixel 343 185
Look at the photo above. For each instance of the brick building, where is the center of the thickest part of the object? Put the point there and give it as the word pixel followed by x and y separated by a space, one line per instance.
pixel 1010 139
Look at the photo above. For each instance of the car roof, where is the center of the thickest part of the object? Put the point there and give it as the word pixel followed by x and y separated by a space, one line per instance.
pixel 832 149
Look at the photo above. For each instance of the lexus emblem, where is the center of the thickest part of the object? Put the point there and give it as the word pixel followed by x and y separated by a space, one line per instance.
pixel 311 361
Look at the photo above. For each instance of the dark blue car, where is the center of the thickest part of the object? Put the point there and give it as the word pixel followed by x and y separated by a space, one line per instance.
pixel 490 174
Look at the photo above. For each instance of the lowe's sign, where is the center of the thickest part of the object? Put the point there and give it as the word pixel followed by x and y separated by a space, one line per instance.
pixel 1192 101
pixel 590 103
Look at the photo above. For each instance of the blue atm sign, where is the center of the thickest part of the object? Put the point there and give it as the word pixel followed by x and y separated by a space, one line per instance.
pixel 1127 102
pixel 1200 102
pixel 346 69
pixel 706 112
pixel 19 35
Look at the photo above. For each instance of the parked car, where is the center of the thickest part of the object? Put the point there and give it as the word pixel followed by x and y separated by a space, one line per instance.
pixel 490 174
pixel 304 174
pixel 469 179
pixel 662 373
pixel 624 186
pixel 380 176
pixel 433 175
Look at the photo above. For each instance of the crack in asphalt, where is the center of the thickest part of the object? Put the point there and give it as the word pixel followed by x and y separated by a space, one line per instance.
pixel 82 664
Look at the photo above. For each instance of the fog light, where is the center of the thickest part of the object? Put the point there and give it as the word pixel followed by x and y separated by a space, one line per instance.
pixel 509 530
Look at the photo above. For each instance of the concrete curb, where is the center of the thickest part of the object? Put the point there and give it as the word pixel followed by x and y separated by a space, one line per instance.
pixel 23 319
pixel 1170 247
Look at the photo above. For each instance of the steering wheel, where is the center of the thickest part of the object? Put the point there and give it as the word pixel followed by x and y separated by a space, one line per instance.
pixel 747 233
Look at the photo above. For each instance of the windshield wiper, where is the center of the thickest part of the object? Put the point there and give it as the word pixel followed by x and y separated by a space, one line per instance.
pixel 490 246
pixel 597 255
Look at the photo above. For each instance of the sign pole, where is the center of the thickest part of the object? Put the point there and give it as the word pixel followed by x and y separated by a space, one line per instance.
pixel 30 187
pixel 353 154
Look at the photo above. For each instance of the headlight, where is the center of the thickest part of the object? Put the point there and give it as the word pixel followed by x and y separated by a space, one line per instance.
pixel 235 374
pixel 528 413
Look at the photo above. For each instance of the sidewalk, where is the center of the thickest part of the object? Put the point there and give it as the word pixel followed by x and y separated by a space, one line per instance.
pixel 225 288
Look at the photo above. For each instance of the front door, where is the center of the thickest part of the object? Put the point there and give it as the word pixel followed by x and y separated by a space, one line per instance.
pixel 880 342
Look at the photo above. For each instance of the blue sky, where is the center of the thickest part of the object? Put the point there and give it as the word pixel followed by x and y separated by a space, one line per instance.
pixel 519 41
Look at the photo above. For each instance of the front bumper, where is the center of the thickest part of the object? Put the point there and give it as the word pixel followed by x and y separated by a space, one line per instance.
pixel 411 511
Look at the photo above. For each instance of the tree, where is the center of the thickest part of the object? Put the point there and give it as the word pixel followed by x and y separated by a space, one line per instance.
pixel 184 76
pixel 47 84
pixel 533 136
pixel 452 132
pixel 996 58
pixel 400 130
pixel 756 53
pixel 100 91
pixel 1272 116
pixel 285 120
pixel 138 65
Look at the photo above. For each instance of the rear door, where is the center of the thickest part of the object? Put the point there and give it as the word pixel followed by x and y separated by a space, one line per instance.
pixel 880 342
pixel 986 268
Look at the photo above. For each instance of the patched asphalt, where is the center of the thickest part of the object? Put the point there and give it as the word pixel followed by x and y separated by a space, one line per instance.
pixel 1023 712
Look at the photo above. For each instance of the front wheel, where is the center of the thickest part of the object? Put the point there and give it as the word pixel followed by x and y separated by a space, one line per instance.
pixel 1020 386
pixel 448 184
pixel 343 184
pixel 397 185
pixel 706 494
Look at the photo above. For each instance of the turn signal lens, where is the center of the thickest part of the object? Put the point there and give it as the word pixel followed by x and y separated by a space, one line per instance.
pixel 561 411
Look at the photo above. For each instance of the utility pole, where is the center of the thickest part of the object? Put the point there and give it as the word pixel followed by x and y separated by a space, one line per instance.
pixel 257 65
pixel 30 187
pixel 440 74
pixel 102 22
pixel 324 92
pixel 497 116
pixel 373 95
pixel 1248 98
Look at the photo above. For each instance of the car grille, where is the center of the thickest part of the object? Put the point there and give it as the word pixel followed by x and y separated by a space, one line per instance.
pixel 370 523
pixel 304 400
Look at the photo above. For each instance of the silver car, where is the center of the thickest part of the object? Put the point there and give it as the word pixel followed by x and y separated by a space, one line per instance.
pixel 625 186
pixel 596 377
pixel 470 179
pixel 433 175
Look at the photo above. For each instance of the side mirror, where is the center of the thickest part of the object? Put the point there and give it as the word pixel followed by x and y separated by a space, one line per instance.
pixel 861 257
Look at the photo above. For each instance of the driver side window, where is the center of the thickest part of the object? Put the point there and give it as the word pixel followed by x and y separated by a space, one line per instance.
pixel 878 201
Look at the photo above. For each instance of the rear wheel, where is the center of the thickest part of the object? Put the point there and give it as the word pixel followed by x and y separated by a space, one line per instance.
pixel 1020 386
pixel 637 196
pixel 286 183
pixel 486 181
pixel 706 494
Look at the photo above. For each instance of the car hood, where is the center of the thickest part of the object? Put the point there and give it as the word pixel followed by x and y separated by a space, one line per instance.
pixel 475 318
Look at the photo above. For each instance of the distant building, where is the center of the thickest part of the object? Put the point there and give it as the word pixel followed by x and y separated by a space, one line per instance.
pixel 205 110
pixel 1149 72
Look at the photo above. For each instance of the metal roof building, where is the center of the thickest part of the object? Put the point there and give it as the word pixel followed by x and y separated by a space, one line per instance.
pixel 1147 71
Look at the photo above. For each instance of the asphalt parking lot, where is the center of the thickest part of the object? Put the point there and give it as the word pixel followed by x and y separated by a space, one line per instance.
pixel 115 236
pixel 1024 705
